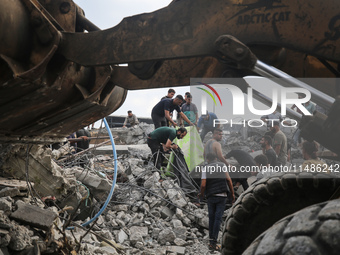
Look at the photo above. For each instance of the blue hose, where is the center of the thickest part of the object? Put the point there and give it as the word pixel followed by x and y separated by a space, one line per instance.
pixel 113 183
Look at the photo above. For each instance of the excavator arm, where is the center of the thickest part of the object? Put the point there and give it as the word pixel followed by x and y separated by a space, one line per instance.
pixel 56 77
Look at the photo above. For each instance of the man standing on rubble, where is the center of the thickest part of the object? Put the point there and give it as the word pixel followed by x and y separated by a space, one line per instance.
pixel 267 149
pixel 214 185
pixel 161 112
pixel 214 147
pixel 279 144
pixel 207 120
pixel 160 140
pixel 131 118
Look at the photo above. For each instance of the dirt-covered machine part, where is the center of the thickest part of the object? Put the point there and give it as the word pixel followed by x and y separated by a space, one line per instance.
pixel 43 96
pixel 59 74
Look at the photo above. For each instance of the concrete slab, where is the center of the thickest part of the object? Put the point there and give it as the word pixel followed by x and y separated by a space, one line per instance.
pixel 21 185
pixel 34 216
pixel 120 149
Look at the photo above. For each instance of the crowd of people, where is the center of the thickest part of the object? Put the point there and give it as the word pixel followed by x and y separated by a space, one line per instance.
pixel 218 188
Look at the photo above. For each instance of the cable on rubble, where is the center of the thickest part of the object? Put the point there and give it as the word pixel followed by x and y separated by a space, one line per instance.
pixel 113 182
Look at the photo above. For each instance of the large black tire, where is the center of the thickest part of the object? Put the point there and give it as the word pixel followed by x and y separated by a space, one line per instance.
pixel 268 201
pixel 313 230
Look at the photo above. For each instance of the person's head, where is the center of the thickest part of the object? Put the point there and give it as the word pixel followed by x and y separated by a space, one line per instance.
pixel 309 150
pixel 188 99
pixel 205 116
pixel 211 157
pixel 171 93
pixel 186 95
pixel 276 127
pixel 181 132
pixel 178 100
pixel 217 134
pixel 266 141
pixel 261 160
pixel 129 113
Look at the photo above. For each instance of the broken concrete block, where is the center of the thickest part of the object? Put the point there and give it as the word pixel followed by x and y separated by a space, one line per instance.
pixel 137 234
pixel 4 251
pixel 121 236
pixel 180 242
pixel 149 182
pixel 106 250
pixel 136 237
pixel 119 208
pixel 166 235
pixel 176 249
pixel 9 192
pixel 139 245
pixel 12 183
pixel 176 198
pixel 166 212
pixel 204 222
pixel 34 216
pixel 20 238
pixel 5 238
pixel 5 204
pixel 155 232
pixel 95 183
pixel 180 232
pixel 142 230
pixel 140 151
pixel 176 223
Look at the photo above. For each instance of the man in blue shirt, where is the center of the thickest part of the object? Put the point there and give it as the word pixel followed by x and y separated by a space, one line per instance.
pixel 208 124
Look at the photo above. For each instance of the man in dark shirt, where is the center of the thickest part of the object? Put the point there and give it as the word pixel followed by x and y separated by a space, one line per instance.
pixel 266 144
pixel 215 185
pixel 245 160
pixel 161 139
pixel 164 108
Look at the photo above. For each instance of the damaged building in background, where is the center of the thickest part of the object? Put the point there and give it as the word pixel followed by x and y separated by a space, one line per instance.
pixel 60 73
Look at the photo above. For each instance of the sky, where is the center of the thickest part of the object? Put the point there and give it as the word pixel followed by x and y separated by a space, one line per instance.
pixel 106 14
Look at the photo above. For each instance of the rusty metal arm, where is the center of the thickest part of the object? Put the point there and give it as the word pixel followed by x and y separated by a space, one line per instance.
pixel 189 29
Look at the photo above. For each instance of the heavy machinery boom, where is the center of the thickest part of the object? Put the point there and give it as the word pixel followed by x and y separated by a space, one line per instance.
pixel 56 77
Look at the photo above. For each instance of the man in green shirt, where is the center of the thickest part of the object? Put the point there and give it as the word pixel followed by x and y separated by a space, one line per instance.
pixel 161 139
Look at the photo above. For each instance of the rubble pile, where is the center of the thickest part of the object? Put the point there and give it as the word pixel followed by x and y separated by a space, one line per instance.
pixel 150 216
pixel 148 213
pixel 145 216
pixel 133 135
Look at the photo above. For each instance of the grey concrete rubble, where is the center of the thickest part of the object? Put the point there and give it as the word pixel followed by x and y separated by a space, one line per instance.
pixel 146 215
pixel 132 135
pixel 33 216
